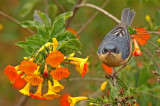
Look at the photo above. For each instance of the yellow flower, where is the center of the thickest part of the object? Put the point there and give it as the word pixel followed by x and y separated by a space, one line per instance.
pixel 158 40
pixel 57 86
pixel 1 27
pixel 103 86
pixel 148 18
pixel 50 95
pixel 78 61
pixel 55 44
pixel 38 93
pixel 74 100
pixel 81 63
pixel 25 90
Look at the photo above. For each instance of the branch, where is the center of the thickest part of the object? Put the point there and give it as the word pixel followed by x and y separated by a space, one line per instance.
pixel 59 5
pixel 91 18
pixel 114 78
pixel 99 9
pixel 91 79
pixel 15 21
pixel 75 9
pixel 22 100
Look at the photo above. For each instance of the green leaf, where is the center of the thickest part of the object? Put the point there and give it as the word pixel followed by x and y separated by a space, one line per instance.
pixel 32 24
pixel 29 46
pixel 44 18
pixel 65 15
pixel 38 38
pixel 27 8
pixel 114 92
pixel 58 26
pixel 122 84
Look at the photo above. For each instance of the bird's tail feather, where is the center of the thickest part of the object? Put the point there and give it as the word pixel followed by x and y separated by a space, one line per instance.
pixel 127 16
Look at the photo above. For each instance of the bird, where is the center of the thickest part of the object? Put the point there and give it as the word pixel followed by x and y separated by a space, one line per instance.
pixel 115 48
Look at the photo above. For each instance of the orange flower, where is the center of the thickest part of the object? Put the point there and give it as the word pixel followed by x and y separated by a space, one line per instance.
pixel 28 67
pixel 11 72
pixel 84 69
pixel 141 35
pixel 54 59
pixel 34 80
pixel 64 100
pixel 81 63
pixel 59 73
pixel 137 51
pixel 19 82
pixel 107 69
pixel 38 93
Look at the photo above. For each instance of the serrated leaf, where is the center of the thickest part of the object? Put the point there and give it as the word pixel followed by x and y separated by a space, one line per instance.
pixel 31 46
pixel 58 26
pixel 38 38
pixel 64 15
pixel 44 18
pixel 28 7
pixel 32 24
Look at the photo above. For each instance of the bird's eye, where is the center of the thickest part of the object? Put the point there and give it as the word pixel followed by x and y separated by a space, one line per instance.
pixel 114 50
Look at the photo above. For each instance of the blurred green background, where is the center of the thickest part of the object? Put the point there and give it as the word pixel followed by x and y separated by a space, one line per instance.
pixel 134 75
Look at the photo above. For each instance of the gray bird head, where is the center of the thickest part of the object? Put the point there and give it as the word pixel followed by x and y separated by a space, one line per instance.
pixel 108 48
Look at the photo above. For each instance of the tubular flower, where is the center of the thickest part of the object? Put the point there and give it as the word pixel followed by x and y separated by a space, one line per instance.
pixel 137 51
pixel 11 71
pixel 50 95
pixel 84 71
pixel 54 59
pixel 59 73
pixel 28 67
pixel 55 44
pixel 82 63
pixel 45 72
pixel 35 79
pixel 64 100
pixel 142 36
pixel 19 83
pixel 74 100
pixel 57 86
pixel 103 86
pixel 25 90
pixel 107 69
pixel 38 93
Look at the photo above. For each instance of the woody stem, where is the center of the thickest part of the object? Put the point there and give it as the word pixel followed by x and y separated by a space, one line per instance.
pixel 114 78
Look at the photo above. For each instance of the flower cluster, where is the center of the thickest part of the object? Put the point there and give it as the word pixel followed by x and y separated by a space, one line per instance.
pixel 33 74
